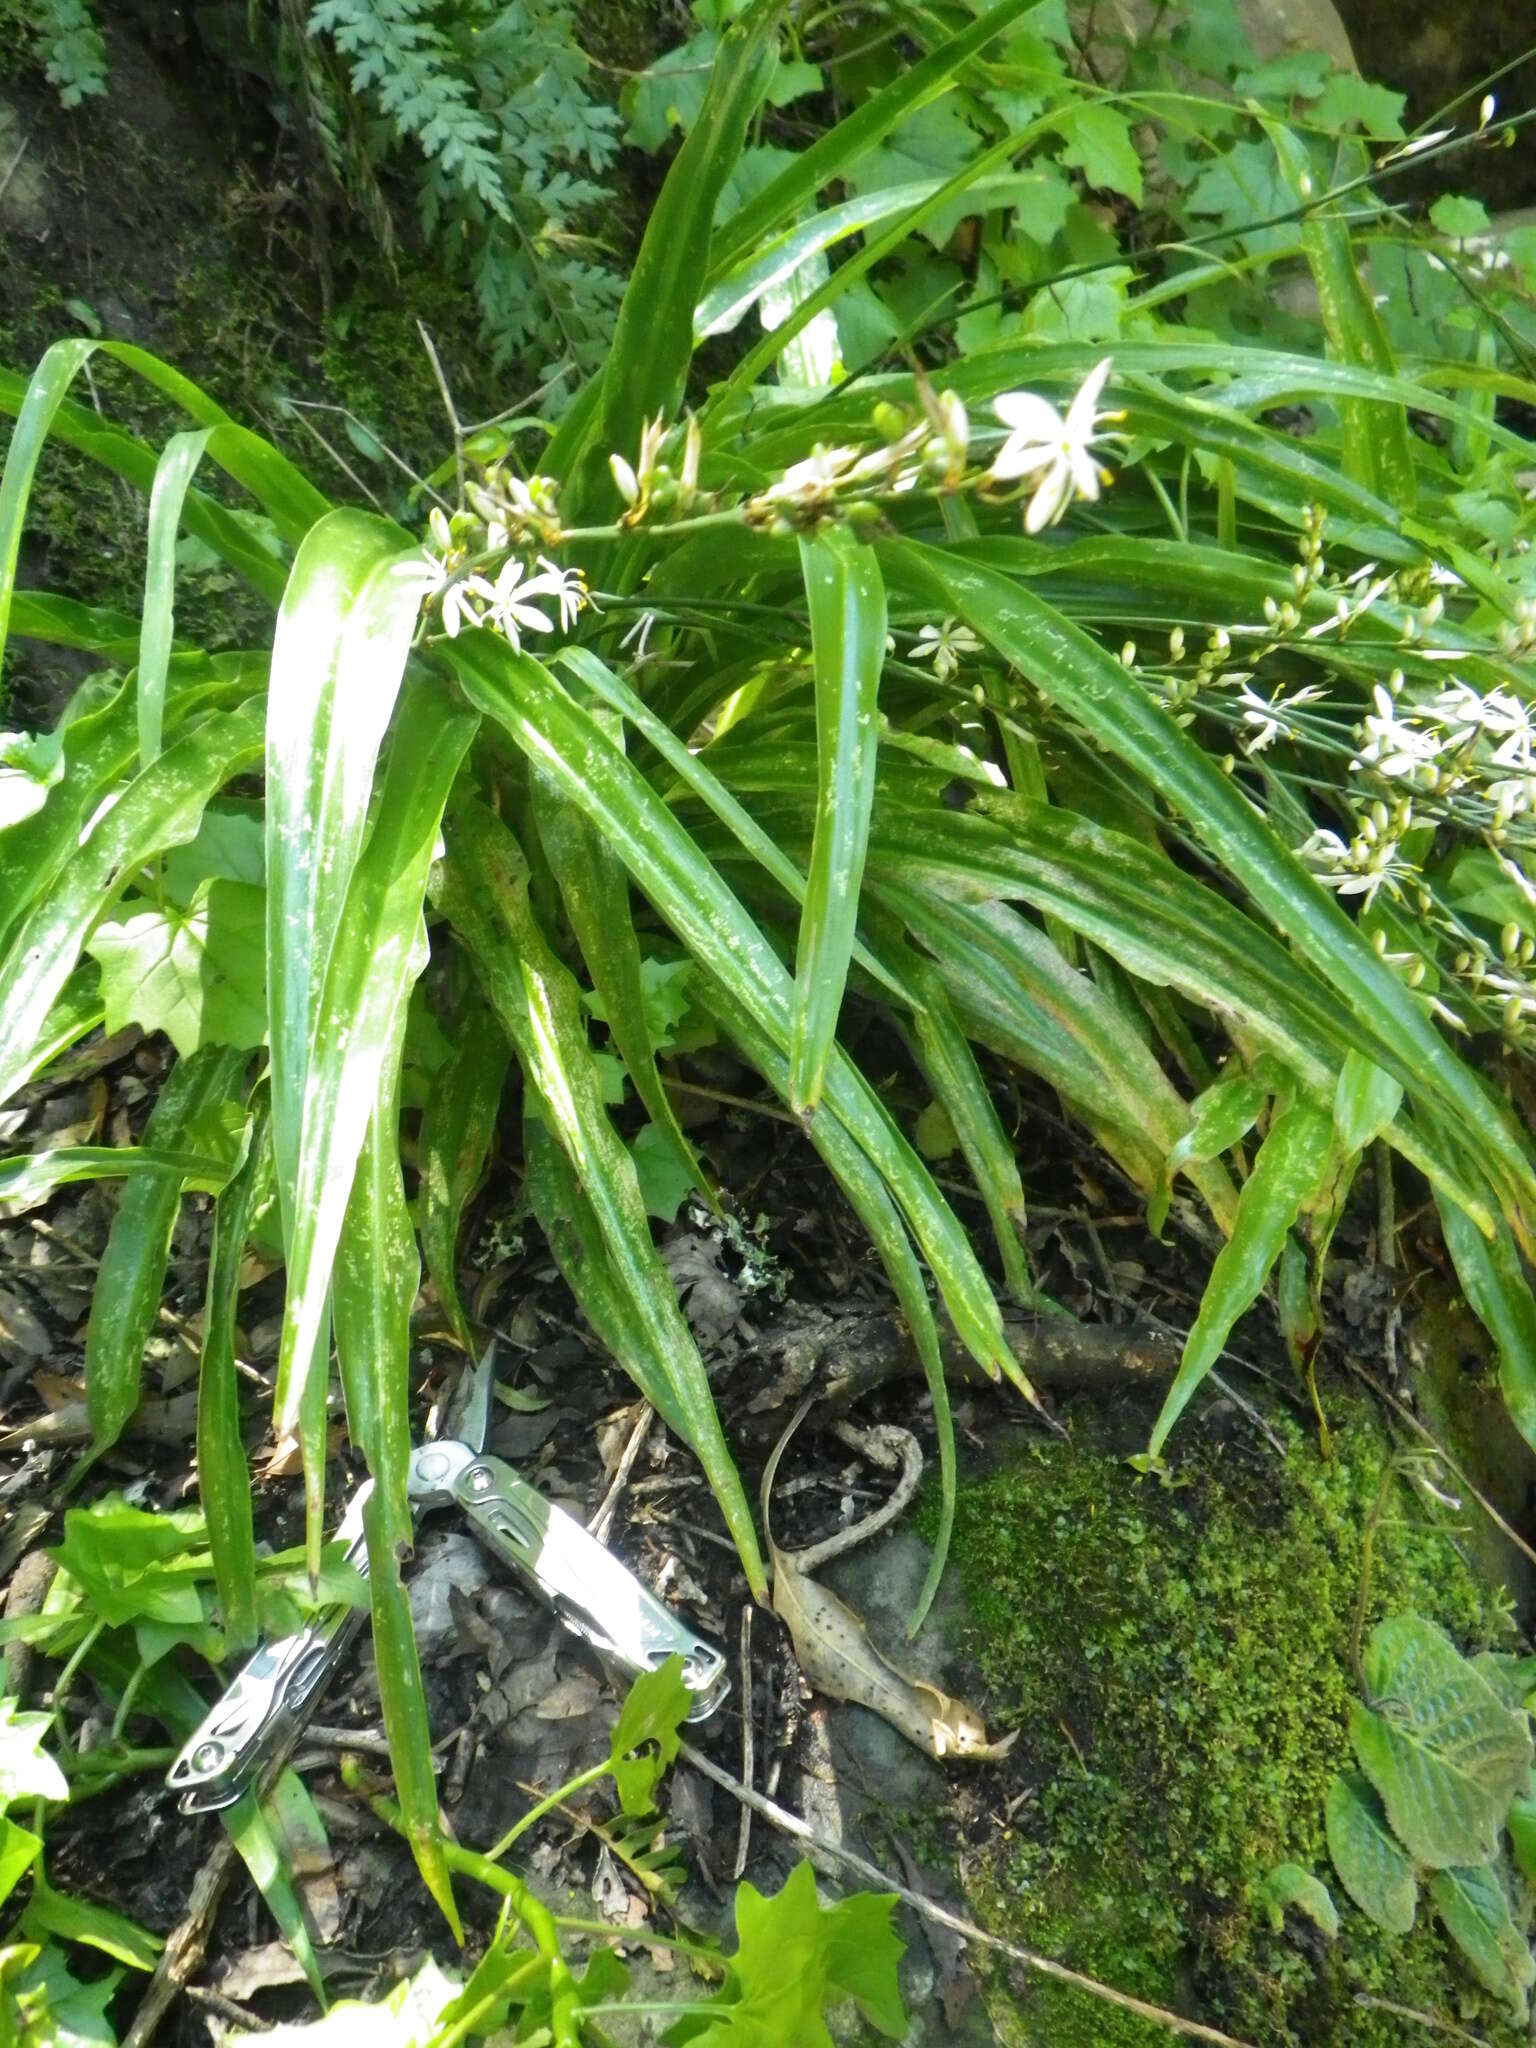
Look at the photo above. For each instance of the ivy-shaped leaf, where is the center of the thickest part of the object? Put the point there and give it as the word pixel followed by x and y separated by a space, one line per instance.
pixel 1440 1746
pixel 653 1713
pixel 1368 1857
pixel 196 972
pixel 794 1958
pixel 1475 1912
pixel 1099 144
pixel 26 1769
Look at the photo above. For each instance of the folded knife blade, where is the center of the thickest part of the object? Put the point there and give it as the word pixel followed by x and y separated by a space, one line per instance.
pixel 586 1587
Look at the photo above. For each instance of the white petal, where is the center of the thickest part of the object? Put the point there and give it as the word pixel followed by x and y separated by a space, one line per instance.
pixel 1027 412
pixel 1085 474
pixel 1081 411
pixel 1020 456
pixel 1050 499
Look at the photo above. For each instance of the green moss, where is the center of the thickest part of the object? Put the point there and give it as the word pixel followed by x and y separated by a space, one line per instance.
pixel 1179 1660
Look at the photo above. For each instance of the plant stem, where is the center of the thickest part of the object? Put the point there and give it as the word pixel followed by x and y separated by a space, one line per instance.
pixel 546 1805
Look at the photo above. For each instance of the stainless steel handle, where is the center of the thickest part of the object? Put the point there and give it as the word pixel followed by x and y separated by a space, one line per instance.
pixel 590 1591
pixel 272 1695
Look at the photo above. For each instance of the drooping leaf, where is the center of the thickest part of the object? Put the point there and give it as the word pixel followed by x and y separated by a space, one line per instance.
pixel 1372 1864
pixel 173 473
pixel 126 1301
pixel 847 605
pixel 1286 1177
pixel 1474 1910
pixel 1439 1745
pixel 1288 1886
pixel 1366 1103
pixel 223 1475
pixel 1494 1282
pixel 100 1927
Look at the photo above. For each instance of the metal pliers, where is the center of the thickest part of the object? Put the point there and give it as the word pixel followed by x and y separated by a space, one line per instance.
pixel 589 1591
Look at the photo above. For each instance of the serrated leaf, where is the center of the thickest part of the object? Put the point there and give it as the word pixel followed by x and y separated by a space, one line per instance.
pixel 665 1182
pixel 1370 1861
pixel 196 972
pixel 1454 214
pixel 59 2011
pixel 1474 1911
pixel 1100 145
pixel 1443 1751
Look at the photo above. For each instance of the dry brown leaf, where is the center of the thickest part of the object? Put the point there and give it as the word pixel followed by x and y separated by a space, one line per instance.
pixel 836 1654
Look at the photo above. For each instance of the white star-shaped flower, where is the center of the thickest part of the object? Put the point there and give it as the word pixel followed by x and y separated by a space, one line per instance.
pixel 1056 451
pixel 510 606
pixel 945 646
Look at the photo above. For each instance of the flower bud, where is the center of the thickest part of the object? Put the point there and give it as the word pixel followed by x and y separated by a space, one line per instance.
pixel 890 420
pixel 625 478
pixel 1509 939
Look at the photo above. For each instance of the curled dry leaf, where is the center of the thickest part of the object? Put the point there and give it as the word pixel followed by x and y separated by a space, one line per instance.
pixel 836 1654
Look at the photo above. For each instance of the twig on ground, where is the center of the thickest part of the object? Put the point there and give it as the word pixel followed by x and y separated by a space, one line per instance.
pixel 1432 2020
pixel 744 1834
pixel 601 1524
pixel 930 1909
pixel 228 2009
pixel 890 1447
pixel 186 1944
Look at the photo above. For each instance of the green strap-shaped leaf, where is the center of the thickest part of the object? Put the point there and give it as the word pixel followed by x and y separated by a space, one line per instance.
pixel 1377 447
pixel 44 395
pixel 223 1474
pixel 178 459
pixel 1442 1749
pixel 457 1129
pixel 378 951
pixel 404 1702
pixel 160 808
pixel 831 155
pixel 653 336
pixel 126 1301
pixel 256 1841
pixel 1286 1177
pixel 544 721
pixel 846 595
pixel 373 1291
pixel 1091 686
pixel 878 1213
pixel 595 891
pixel 484 891
pixel 32 1176
pixel 1493 1280
pixel 1366 1102
pixel 1372 1864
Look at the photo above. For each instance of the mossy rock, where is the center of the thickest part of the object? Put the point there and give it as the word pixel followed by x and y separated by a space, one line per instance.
pixel 1179 1660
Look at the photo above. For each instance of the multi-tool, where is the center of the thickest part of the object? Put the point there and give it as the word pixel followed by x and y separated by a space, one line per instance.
pixel 589 1590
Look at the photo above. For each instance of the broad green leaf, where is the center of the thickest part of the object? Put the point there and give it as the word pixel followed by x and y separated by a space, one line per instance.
pixel 457 1130
pixel 1439 1745
pixel 1493 1279
pixel 1474 1910
pixel 160 808
pixel 1372 1864
pixel 19 1851
pixel 483 890
pixel 1522 1833
pixel 59 2011
pixel 1286 1178
pixel 795 1957
pixel 223 1476
pixel 665 1183
pixel 379 950
pixel 1100 145
pixel 126 1303
pixel 178 459
pixel 595 891
pixel 540 716
pixel 847 605
pixel 135 1566
pixel 653 337
pixel 195 971
pixel 405 1711
pixel 1090 685
pixel 1366 1102
pixel 26 1769
pixel 75 1919
pixel 646 1735
pixel 1288 1885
